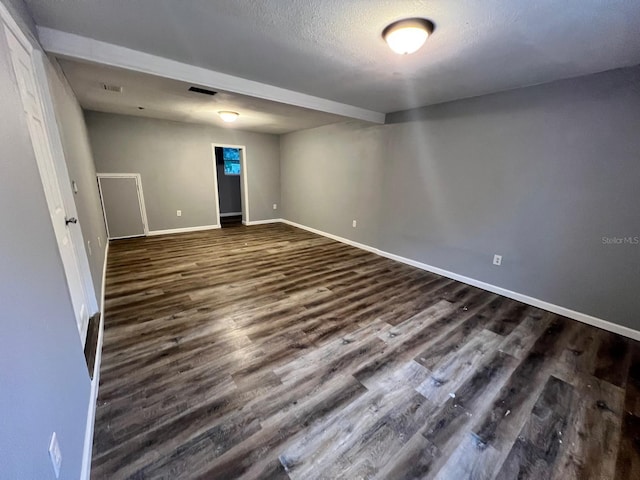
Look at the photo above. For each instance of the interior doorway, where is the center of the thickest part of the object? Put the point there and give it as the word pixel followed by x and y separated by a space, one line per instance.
pixel 230 177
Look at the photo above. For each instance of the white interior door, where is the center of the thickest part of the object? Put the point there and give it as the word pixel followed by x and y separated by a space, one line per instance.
pixel 21 57
pixel 123 205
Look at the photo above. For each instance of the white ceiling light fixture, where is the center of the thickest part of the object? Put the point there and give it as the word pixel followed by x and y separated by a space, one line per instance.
pixel 408 35
pixel 229 116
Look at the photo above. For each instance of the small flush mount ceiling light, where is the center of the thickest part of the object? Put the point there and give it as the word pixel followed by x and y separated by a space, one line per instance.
pixel 229 116
pixel 407 36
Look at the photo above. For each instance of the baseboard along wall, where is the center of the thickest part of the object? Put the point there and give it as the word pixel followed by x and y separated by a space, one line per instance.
pixel 169 231
pixel 93 395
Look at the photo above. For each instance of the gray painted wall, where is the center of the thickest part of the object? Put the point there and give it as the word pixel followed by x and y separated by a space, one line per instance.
pixel 538 175
pixel 175 161
pixel 332 175
pixel 44 384
pixel 77 152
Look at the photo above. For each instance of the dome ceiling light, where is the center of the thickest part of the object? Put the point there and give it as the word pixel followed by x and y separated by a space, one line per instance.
pixel 229 116
pixel 408 35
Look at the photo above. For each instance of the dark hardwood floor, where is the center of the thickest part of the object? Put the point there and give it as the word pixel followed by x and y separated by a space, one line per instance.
pixel 268 352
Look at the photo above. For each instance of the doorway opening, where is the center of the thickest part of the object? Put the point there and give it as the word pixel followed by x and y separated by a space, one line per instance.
pixel 230 184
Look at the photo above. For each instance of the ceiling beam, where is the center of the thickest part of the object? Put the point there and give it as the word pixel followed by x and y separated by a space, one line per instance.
pixel 83 48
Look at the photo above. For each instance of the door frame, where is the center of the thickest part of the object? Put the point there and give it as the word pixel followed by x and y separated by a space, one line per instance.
pixel 60 163
pixel 244 183
pixel 57 171
pixel 143 209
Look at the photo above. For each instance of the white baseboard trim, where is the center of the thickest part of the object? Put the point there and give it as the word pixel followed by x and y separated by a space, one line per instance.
pixel 263 222
pixel 230 214
pixel 153 233
pixel 566 312
pixel 126 236
pixel 93 395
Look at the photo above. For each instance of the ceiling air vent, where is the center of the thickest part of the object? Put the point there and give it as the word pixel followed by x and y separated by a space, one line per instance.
pixel 112 88
pixel 204 91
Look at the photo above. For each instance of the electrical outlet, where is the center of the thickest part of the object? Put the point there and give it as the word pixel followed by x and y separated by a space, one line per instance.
pixel 275 206
pixel 55 454
pixel 497 260
pixel 354 224
pixel 179 213
pixel 89 246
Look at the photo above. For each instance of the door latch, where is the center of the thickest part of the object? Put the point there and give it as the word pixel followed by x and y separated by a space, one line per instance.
pixel 67 221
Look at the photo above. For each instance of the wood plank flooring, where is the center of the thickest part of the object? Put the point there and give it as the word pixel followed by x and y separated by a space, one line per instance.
pixel 268 352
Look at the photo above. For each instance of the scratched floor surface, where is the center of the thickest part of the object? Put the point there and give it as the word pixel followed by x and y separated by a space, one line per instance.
pixel 268 352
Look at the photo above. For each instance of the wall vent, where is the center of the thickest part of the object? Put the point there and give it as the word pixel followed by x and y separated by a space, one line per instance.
pixel 112 88
pixel 204 91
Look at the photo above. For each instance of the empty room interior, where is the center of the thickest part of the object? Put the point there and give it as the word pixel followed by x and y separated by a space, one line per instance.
pixel 320 239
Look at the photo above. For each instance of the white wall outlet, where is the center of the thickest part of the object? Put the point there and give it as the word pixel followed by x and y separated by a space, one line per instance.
pixel 89 246
pixel 179 213
pixel 354 224
pixel 100 241
pixel 55 454
pixel 497 260
pixel 275 206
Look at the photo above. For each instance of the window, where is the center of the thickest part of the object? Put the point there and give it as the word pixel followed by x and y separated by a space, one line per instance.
pixel 231 158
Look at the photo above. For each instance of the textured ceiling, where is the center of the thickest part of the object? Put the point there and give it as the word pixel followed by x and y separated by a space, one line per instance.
pixel 171 100
pixel 333 49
